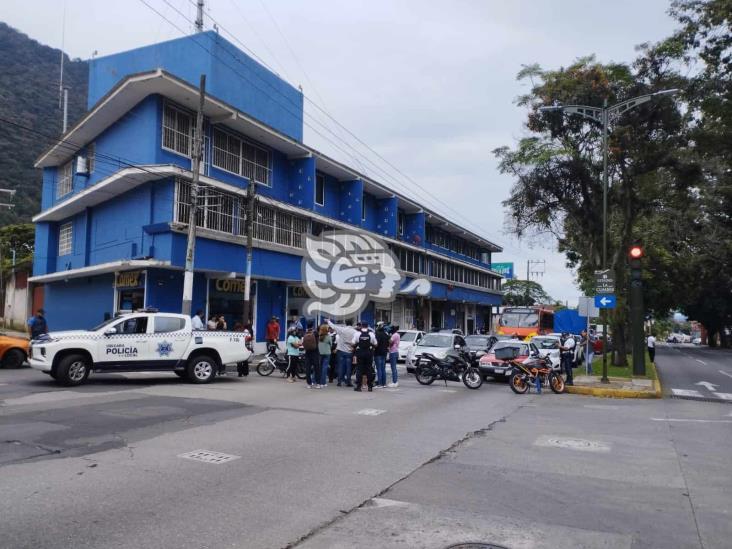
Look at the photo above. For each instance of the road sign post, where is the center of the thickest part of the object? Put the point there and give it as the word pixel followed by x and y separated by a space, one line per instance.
pixel 604 284
pixel 586 307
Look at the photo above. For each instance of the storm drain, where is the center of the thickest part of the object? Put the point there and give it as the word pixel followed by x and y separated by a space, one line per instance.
pixel 207 456
pixel 475 545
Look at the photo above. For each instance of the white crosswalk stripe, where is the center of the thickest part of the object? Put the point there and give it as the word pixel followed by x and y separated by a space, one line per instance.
pixel 686 393
pixel 724 396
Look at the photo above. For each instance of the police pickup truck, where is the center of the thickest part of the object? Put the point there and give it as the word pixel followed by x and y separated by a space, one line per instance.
pixel 144 341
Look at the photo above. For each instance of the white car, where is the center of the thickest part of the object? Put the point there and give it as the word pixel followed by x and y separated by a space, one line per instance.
pixel 548 345
pixel 407 340
pixel 136 342
pixel 437 344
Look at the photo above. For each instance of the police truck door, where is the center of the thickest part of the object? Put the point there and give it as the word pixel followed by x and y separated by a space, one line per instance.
pixel 169 340
pixel 124 346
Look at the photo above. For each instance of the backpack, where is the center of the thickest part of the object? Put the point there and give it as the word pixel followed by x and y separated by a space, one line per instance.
pixel 382 345
pixel 309 342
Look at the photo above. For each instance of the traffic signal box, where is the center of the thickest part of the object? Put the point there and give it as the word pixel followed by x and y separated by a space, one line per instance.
pixel 635 261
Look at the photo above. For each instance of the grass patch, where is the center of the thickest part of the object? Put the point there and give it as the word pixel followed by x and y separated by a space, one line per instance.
pixel 619 371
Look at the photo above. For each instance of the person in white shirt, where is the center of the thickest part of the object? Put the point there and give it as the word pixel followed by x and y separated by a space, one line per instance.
pixel 344 351
pixel 651 344
pixel 568 348
pixel 197 321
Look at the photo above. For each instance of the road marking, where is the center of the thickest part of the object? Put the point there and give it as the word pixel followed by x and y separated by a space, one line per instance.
pixel 448 391
pixel 572 444
pixel 370 412
pixel 708 386
pixel 691 420
pixel 385 502
pixel 701 362
pixel 725 373
pixel 208 456
pixel 724 396
pixel 686 393
pixel 602 406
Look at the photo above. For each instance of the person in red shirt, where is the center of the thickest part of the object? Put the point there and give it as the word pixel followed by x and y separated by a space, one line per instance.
pixel 273 332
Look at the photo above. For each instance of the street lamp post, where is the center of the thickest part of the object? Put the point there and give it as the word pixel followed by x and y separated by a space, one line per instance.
pixel 603 115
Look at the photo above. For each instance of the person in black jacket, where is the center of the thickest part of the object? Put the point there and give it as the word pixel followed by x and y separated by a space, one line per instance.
pixel 380 353
pixel 364 342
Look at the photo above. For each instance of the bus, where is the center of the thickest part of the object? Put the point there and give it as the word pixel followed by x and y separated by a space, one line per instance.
pixel 526 322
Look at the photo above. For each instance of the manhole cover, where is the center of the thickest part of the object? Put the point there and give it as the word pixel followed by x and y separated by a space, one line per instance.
pixel 207 456
pixel 572 444
pixel 475 545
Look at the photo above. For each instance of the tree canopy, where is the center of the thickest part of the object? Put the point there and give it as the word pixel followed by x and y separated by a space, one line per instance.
pixel 524 293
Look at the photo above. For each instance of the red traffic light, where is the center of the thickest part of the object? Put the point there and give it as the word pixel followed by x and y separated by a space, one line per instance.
pixel 635 252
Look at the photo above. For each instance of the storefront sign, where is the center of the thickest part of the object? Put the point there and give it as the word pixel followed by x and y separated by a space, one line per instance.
pixel 130 279
pixel 297 292
pixel 230 285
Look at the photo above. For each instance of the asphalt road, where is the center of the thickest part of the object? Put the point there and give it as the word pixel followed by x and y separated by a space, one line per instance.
pixel 101 466
pixel 694 372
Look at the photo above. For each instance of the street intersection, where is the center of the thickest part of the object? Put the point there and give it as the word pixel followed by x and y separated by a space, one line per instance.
pixel 139 460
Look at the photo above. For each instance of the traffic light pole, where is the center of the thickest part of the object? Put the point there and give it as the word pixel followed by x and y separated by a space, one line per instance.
pixel 635 256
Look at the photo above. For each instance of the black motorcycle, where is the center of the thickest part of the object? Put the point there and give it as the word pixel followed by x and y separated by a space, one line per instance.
pixel 456 366
pixel 273 361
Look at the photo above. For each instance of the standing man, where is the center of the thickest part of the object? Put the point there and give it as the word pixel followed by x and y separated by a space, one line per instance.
pixel 382 349
pixel 394 341
pixel 364 343
pixel 273 332
pixel 37 324
pixel 651 344
pixel 312 358
pixel 344 351
pixel 197 320
pixel 567 349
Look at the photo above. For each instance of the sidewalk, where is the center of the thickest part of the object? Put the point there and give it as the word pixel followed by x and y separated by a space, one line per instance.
pixel 618 387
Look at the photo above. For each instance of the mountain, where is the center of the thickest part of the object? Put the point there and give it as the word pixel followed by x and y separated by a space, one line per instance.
pixel 29 96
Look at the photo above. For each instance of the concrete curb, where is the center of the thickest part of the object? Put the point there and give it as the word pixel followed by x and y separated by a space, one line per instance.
pixel 608 392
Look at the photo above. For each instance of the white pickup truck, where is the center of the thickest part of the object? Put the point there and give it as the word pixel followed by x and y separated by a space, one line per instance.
pixel 141 341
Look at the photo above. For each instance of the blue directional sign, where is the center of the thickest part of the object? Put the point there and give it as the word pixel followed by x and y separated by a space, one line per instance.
pixel 605 301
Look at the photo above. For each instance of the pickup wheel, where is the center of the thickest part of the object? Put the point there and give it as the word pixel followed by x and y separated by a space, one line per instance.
pixel 72 370
pixel 14 358
pixel 201 369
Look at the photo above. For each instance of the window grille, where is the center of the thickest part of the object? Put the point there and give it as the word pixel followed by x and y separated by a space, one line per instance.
pixel 241 157
pixel 177 130
pixel 65 243
pixel 91 154
pixel 65 180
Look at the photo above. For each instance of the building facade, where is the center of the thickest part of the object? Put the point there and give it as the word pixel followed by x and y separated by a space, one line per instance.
pixel 111 234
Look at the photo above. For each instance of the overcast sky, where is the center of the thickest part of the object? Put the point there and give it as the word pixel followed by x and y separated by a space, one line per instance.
pixel 428 85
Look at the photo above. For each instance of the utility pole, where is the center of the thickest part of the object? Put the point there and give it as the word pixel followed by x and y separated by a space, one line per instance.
pixel 193 208
pixel 251 194
pixel 199 16
pixel 603 115
pixel 65 124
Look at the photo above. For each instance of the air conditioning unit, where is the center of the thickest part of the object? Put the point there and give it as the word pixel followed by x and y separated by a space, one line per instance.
pixel 82 165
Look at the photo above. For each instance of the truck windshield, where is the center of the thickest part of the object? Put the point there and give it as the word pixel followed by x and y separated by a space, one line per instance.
pixel 103 324
pixel 520 320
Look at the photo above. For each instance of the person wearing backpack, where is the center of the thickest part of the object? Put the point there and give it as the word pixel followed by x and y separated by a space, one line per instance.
pixel 364 341
pixel 312 358
pixel 382 349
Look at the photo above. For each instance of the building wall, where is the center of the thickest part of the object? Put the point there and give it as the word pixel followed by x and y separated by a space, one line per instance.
pixel 79 303
pixel 17 300
pixel 231 75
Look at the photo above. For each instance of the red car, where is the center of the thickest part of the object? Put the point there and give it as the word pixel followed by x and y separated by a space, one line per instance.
pixel 489 365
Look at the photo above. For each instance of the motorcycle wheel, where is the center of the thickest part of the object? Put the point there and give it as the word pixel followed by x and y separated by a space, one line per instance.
pixel 472 378
pixel 556 383
pixel 518 384
pixel 300 372
pixel 265 368
pixel 425 376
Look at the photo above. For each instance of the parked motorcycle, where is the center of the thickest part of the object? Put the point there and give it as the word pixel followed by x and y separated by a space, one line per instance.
pixel 274 361
pixel 536 372
pixel 456 366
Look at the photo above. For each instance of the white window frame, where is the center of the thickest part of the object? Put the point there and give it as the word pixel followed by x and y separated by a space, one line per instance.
pixel 177 133
pixel 65 179
pixel 91 155
pixel 319 179
pixel 66 239
pixel 261 172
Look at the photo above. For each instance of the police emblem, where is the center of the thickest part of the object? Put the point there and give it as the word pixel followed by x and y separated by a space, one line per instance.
pixel 165 348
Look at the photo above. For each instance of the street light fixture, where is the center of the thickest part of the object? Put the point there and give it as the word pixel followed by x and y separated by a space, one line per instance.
pixel 602 115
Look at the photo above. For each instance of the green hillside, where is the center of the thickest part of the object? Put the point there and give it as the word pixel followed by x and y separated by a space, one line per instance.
pixel 29 97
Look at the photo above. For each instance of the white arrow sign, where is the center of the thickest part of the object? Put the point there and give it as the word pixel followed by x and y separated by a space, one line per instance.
pixel 708 386
pixel 605 301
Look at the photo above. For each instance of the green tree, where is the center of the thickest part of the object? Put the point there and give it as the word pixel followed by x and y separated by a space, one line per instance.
pixel 19 238
pixel 524 293
pixel 557 170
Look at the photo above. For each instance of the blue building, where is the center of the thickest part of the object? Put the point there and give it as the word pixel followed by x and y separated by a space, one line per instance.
pixel 111 234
